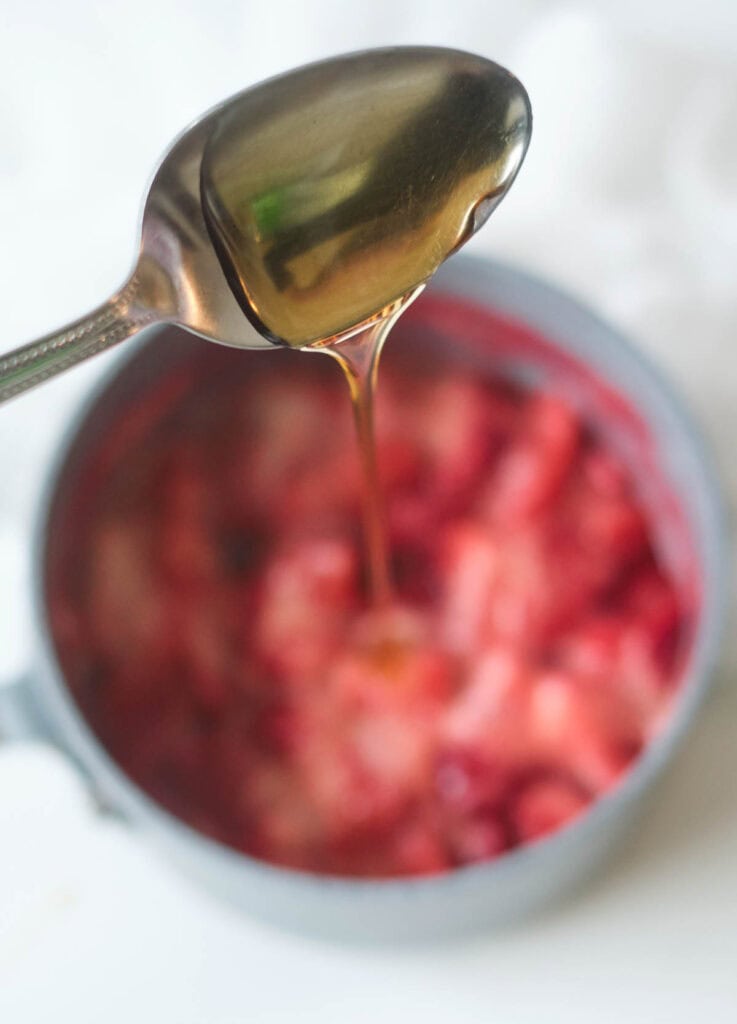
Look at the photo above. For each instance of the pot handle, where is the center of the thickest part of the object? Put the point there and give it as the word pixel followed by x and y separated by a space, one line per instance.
pixel 19 717
pixel 22 721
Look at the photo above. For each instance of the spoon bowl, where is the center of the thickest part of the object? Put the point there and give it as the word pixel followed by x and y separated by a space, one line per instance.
pixel 335 190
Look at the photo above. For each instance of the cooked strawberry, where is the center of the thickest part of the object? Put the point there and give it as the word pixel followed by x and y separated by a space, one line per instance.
pixel 419 849
pixel 349 794
pixel 467 779
pixel 471 567
pixel 127 605
pixel 594 648
pixel 545 806
pixel 411 517
pixel 478 838
pixel 392 662
pixel 613 527
pixel 307 595
pixel 297 424
pixel 490 715
pixel 454 427
pixel 604 472
pixel 536 463
pixel 651 602
pixel 583 728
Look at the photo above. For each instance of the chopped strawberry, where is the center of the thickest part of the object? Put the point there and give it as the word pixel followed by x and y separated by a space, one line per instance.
pixel 280 821
pixel 471 565
pixel 535 465
pixel 206 665
pixel 490 715
pixel 347 793
pixel 545 806
pixel 467 780
pixel 392 662
pixel 479 838
pixel 411 517
pixel 297 424
pixel 594 648
pixel 614 528
pixel 415 572
pixel 523 599
pixel 420 850
pixel 454 426
pixel 604 473
pixel 307 595
pixel 652 604
pixel 186 553
pixel 398 460
pixel 321 495
pixel 583 728
pixel 127 610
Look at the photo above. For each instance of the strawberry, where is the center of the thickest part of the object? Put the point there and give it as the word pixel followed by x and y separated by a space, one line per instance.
pixel 419 850
pixel 471 568
pixel 128 605
pixel 467 779
pixel 612 527
pixel 544 806
pixel 653 604
pixel 593 649
pixel 534 466
pixel 585 729
pixel 392 663
pixel 478 838
pixel 489 716
pixel 307 594
pixel 347 793
pixel 298 425
pixel 603 472
pixel 453 423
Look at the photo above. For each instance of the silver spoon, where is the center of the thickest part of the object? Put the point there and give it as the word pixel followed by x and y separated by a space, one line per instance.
pixel 313 203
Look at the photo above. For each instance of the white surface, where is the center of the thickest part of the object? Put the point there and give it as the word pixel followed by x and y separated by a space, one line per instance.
pixel 629 198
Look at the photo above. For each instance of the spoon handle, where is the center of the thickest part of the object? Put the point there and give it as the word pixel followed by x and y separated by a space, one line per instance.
pixel 32 364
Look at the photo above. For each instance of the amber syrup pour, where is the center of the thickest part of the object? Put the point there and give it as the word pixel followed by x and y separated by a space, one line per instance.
pixel 358 356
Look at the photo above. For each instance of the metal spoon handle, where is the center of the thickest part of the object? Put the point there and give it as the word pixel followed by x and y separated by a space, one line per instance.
pixel 32 364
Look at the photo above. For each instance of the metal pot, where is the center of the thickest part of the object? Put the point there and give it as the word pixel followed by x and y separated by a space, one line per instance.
pixel 610 381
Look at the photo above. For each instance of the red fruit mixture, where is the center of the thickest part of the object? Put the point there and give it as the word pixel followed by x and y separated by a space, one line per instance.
pixel 211 613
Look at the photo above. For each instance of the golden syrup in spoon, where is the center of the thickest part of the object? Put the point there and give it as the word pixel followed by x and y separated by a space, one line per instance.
pixel 332 192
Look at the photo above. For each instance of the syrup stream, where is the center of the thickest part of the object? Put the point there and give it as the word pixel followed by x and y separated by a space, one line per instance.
pixel 358 356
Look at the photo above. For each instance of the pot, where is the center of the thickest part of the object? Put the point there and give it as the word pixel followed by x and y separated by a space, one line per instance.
pixel 531 330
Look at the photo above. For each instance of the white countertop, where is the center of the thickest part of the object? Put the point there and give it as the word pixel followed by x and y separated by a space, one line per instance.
pixel 629 199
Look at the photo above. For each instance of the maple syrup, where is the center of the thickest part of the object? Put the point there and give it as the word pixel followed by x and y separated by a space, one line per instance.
pixel 359 357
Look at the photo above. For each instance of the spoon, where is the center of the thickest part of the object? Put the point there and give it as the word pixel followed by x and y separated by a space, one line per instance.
pixel 314 203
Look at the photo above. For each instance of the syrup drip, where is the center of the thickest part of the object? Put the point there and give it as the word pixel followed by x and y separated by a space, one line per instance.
pixel 358 357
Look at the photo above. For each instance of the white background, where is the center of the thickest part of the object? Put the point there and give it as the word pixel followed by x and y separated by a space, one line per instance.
pixel 629 199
